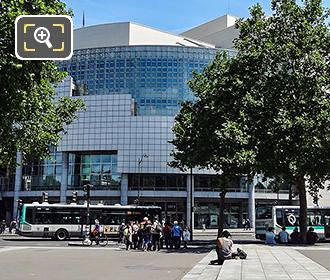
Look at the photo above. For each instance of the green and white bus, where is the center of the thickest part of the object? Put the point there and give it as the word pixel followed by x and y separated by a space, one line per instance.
pixel 288 216
pixel 61 221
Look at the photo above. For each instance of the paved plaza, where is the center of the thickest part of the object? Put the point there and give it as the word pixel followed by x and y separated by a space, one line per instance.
pixel 267 263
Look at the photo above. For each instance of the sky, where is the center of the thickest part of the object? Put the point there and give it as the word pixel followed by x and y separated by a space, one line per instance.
pixel 173 16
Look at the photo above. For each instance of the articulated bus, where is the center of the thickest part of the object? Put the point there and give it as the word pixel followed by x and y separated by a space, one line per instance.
pixel 288 216
pixel 60 221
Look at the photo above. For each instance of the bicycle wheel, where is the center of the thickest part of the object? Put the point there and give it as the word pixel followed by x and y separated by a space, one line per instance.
pixel 103 241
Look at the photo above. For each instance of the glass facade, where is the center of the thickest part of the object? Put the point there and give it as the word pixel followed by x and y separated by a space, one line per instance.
pixel 157 182
pixel 207 183
pixel 98 168
pixel 43 174
pixel 155 76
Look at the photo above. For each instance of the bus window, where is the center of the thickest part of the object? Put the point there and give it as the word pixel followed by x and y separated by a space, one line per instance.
pixel 29 215
pixel 291 217
pixel 314 218
pixel 264 212
pixel 43 216
pixel 279 217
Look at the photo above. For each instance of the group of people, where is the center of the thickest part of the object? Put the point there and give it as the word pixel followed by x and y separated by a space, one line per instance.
pixel 153 235
pixel 294 238
pixel 12 226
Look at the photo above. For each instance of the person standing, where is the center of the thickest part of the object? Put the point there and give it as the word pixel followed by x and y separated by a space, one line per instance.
pixel 156 232
pixel 186 237
pixel 247 224
pixel 167 232
pixel 128 236
pixel 284 236
pixel 176 235
pixel 135 235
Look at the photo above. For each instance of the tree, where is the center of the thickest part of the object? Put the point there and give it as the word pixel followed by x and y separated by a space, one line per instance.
pixel 201 126
pixel 274 97
pixel 32 118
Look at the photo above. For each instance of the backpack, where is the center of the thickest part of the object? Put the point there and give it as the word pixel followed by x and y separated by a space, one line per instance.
pixel 242 255
pixel 126 232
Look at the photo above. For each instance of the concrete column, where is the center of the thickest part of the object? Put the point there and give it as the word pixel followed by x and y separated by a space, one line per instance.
pixel 252 203
pixel 18 181
pixel 124 189
pixel 64 178
pixel 190 202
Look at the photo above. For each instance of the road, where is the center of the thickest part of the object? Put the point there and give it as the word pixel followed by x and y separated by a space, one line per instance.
pixel 322 257
pixel 46 259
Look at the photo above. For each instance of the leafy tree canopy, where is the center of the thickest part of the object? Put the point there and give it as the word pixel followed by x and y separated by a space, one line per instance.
pixel 267 109
pixel 32 118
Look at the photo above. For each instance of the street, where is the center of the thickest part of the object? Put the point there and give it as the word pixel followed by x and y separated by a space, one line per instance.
pixel 46 259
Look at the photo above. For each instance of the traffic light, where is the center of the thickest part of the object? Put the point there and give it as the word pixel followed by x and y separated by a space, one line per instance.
pixel 74 197
pixel 44 197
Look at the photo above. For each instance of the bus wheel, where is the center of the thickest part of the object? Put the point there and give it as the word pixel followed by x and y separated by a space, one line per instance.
pixel 61 234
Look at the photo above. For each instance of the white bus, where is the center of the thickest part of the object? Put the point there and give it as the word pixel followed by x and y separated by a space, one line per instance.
pixel 288 216
pixel 62 221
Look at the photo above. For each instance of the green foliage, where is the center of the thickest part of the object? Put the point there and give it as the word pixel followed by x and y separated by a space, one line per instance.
pixel 266 110
pixel 32 118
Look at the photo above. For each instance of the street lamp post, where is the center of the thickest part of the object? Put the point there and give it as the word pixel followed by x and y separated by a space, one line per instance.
pixel 192 205
pixel 140 160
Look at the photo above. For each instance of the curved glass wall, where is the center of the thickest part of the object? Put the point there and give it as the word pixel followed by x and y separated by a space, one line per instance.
pixel 156 76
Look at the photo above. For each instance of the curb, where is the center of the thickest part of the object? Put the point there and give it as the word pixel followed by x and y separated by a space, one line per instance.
pixel 204 271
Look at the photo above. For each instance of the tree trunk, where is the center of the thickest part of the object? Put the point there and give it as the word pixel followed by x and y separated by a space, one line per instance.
pixel 221 212
pixel 290 194
pixel 300 183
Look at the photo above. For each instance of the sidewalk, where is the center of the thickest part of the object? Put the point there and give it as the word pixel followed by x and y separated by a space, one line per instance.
pixel 263 263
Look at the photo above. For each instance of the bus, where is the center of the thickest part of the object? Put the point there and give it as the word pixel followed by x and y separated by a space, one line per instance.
pixel 61 221
pixel 288 216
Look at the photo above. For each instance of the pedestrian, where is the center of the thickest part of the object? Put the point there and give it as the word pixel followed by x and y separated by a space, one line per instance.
pixel 121 232
pixel 156 234
pixel 295 236
pixel 135 235
pixel 224 248
pixel 167 232
pixel 284 236
pixel 147 237
pixel 270 237
pixel 311 236
pixel 3 226
pixel 186 237
pixel 12 226
pixel 244 224
pixel 128 236
pixel 176 235
pixel 247 224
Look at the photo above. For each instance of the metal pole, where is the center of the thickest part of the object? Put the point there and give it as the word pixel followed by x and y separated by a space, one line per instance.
pixel 88 214
pixel 192 204
pixel 139 164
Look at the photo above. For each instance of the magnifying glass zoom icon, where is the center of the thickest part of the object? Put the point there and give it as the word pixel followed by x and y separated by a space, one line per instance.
pixel 42 35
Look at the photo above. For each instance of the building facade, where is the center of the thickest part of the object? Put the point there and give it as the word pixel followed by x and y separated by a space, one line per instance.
pixel 133 80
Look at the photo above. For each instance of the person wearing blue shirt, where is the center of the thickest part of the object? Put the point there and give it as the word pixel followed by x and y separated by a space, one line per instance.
pixel 176 235
pixel 270 236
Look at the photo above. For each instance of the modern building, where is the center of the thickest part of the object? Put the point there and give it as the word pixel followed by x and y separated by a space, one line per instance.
pixel 133 80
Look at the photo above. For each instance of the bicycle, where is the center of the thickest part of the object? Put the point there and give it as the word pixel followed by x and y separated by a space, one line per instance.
pixel 100 239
